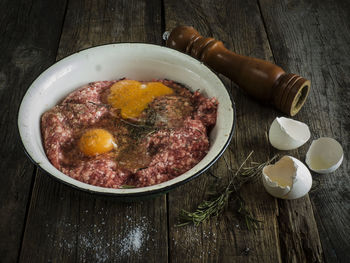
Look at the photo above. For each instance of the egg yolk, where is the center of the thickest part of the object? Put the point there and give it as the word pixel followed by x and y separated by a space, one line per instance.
pixel 96 141
pixel 132 97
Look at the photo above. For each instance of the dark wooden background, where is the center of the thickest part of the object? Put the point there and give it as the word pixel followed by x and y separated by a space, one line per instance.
pixel 42 220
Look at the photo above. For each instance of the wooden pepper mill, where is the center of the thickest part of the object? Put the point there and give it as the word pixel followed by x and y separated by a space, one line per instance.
pixel 261 79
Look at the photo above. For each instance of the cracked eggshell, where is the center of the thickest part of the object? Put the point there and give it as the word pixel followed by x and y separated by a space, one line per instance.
pixel 325 155
pixel 288 178
pixel 288 134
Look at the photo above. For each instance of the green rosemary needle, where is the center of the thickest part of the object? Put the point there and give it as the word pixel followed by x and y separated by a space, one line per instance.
pixel 216 205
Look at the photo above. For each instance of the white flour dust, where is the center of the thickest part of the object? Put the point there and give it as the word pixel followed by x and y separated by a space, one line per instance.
pixel 98 240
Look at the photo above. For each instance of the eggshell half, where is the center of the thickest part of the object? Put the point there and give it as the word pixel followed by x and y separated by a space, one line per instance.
pixel 325 155
pixel 288 178
pixel 288 134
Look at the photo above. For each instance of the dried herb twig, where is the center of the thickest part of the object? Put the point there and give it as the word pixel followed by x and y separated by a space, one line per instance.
pixel 250 221
pixel 215 206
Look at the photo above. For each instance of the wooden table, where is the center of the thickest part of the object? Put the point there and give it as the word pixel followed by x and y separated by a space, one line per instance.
pixel 42 220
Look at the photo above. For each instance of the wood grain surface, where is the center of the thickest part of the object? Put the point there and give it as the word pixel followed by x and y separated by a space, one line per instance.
pixel 66 225
pixel 317 46
pixel 28 46
pixel 225 238
pixel 246 36
pixel 42 220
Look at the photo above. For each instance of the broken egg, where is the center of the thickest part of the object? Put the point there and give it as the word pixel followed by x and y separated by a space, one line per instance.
pixel 96 141
pixel 325 155
pixel 288 178
pixel 132 97
pixel 288 134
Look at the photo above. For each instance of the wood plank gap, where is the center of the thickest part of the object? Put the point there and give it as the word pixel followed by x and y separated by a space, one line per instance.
pixel 79 217
pixel 30 195
pixel 62 27
pixel 162 27
pixel 168 225
pixel 265 28
pixel 277 229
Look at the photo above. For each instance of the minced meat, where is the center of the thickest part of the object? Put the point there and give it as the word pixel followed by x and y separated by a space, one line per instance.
pixel 168 138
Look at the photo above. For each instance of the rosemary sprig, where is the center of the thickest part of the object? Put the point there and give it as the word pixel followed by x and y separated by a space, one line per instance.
pixel 205 210
pixel 251 222
pixel 215 206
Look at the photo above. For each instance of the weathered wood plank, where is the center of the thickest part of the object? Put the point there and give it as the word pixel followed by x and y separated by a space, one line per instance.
pixel 244 34
pixel 299 241
pixel 29 39
pixel 94 23
pixel 66 225
pixel 240 27
pixel 313 38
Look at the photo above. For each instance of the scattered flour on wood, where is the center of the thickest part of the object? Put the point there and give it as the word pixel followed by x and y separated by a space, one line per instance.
pixel 95 241
pixel 133 241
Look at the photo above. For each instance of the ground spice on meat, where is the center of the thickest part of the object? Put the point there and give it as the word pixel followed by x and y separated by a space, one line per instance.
pixel 167 139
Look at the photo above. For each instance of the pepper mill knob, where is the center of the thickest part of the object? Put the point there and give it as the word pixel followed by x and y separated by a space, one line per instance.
pixel 263 80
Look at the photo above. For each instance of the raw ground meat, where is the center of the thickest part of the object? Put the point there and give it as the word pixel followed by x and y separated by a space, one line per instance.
pixel 177 151
pixel 175 138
